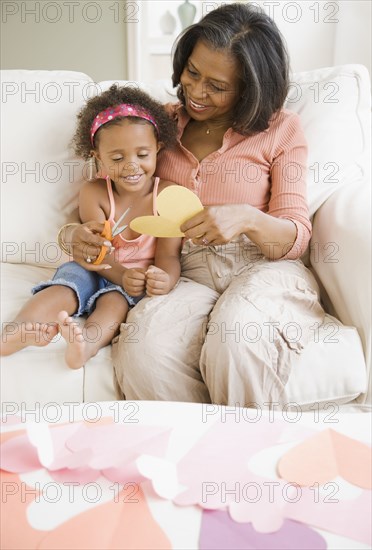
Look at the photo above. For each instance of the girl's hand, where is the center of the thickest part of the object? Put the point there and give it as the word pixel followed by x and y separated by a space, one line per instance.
pixel 157 281
pixel 217 224
pixel 86 242
pixel 134 281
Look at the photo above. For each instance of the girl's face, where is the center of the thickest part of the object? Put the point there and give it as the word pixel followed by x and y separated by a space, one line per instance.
pixel 127 152
pixel 210 83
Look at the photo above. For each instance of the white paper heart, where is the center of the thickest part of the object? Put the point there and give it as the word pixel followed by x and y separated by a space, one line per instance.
pixel 162 473
pixel 40 437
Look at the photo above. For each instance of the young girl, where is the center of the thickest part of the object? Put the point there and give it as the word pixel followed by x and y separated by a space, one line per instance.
pixel 123 129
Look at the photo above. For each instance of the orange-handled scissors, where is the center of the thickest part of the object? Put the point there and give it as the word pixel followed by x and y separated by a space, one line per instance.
pixel 109 233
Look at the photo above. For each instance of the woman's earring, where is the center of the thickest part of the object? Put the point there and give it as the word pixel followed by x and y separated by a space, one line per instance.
pixel 91 168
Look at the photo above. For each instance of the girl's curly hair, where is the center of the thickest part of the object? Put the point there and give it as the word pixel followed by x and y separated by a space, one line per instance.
pixel 115 95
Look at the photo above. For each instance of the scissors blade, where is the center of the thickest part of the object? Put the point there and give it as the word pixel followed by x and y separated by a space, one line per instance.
pixel 119 230
pixel 116 225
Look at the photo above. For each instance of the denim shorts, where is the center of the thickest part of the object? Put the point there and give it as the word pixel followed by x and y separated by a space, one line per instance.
pixel 88 285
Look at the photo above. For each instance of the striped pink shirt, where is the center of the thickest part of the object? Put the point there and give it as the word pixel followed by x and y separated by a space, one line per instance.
pixel 267 170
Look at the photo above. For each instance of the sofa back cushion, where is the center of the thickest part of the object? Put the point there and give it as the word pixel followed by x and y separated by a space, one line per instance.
pixel 40 175
pixel 335 108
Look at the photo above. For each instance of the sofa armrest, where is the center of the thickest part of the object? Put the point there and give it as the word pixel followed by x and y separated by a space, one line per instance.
pixel 341 258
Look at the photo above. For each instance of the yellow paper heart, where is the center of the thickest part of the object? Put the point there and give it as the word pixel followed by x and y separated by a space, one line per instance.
pixel 175 205
pixel 155 226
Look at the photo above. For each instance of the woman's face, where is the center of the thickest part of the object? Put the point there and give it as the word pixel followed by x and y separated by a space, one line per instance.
pixel 210 83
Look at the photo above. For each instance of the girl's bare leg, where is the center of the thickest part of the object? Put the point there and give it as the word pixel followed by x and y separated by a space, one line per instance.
pixel 35 324
pixel 100 328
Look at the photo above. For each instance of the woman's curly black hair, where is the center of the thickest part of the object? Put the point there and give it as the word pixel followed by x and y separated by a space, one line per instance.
pixel 115 95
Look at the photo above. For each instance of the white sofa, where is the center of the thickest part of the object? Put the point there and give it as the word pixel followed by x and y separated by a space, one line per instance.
pixel 39 188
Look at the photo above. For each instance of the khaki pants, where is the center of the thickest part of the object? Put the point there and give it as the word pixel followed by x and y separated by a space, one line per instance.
pixel 228 333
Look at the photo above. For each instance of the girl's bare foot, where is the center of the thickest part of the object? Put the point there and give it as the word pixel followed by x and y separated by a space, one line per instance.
pixel 77 350
pixel 18 335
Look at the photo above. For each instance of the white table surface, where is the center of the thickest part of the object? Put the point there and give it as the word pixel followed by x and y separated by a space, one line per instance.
pixel 188 422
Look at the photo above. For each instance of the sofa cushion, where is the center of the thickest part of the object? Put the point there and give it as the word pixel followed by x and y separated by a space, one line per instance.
pixel 40 374
pixel 341 259
pixel 334 105
pixel 34 374
pixel 40 174
pixel 331 369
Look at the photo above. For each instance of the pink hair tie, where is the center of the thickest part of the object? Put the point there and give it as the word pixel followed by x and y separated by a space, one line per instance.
pixel 124 109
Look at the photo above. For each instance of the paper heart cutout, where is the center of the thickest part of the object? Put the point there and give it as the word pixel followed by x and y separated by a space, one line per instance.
pixel 162 473
pixel 325 456
pixel 156 226
pixel 125 522
pixel 175 204
pixel 40 437
pixel 15 528
pixel 349 518
pixel 178 204
pixel 218 530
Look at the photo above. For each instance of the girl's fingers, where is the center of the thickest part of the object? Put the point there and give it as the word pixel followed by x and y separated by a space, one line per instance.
pixel 154 284
pixel 136 275
pixel 136 284
pixel 156 274
pixel 154 291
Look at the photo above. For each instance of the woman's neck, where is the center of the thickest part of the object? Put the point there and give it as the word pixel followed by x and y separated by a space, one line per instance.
pixel 212 127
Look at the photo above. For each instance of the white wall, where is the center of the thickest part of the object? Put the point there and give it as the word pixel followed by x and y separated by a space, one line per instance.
pixel 90 36
pixel 318 33
pixel 81 36
pixel 353 33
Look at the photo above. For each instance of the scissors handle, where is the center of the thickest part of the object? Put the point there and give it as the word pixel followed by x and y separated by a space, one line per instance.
pixel 108 235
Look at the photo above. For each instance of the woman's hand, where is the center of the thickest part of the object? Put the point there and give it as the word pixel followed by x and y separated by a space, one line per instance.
pixel 157 281
pixel 86 241
pixel 134 281
pixel 217 224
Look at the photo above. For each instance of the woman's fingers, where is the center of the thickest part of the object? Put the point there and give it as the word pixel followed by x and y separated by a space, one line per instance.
pixel 87 242
pixel 92 267
pixel 196 227
pixel 90 234
pixel 215 225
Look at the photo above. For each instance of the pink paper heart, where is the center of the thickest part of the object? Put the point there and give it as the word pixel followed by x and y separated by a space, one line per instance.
pixel 346 518
pixel 125 522
pixel 219 531
pixel 325 456
pixel 218 462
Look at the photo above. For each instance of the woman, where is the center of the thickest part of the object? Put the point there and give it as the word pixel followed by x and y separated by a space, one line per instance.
pixel 245 307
